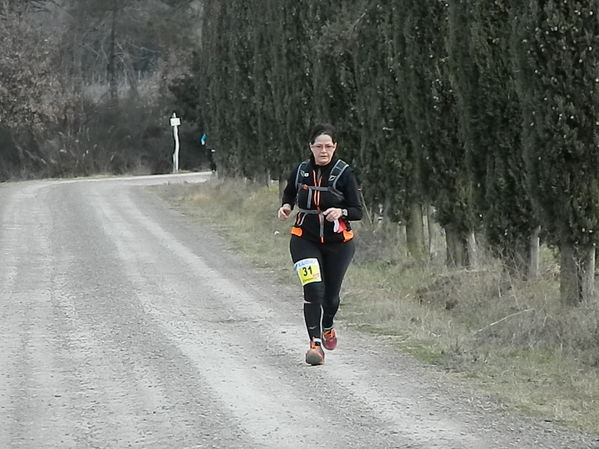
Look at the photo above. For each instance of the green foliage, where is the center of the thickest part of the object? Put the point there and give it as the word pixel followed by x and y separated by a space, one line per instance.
pixel 432 122
pixel 255 97
pixel 490 124
pixel 389 163
pixel 557 61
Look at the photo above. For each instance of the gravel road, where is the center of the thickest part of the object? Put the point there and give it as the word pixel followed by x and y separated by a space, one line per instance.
pixel 123 324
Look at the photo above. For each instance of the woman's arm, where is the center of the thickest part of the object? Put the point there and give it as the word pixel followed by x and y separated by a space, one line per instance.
pixel 351 194
pixel 290 192
pixel 289 195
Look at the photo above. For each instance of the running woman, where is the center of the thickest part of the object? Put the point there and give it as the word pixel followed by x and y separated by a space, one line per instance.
pixel 326 194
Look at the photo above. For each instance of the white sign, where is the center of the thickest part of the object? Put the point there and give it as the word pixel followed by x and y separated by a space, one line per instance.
pixel 175 122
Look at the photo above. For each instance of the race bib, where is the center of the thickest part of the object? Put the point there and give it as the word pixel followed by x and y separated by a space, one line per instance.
pixel 308 271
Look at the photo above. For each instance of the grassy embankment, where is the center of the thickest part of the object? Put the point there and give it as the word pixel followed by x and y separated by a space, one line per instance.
pixel 508 338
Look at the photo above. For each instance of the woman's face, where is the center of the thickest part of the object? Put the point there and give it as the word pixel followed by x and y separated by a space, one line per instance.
pixel 323 149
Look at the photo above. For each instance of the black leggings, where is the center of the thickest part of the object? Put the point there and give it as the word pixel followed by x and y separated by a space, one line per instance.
pixel 321 298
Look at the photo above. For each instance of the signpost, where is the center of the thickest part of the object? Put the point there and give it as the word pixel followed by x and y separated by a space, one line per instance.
pixel 175 122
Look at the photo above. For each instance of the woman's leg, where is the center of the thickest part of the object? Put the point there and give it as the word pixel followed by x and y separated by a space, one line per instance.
pixel 335 262
pixel 307 259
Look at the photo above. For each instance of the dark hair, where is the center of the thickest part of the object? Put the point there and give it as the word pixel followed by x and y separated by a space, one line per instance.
pixel 323 128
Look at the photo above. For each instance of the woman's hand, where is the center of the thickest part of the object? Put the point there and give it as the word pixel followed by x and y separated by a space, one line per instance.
pixel 284 212
pixel 333 213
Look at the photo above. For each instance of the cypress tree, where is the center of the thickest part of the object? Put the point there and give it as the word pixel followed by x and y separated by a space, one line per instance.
pixel 489 123
pixel 432 122
pixel 288 71
pixel 241 141
pixel 262 122
pixel 557 62
pixel 334 80
pixel 390 171
pixel 213 79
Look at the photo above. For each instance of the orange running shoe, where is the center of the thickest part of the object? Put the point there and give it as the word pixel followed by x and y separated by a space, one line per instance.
pixel 315 355
pixel 329 339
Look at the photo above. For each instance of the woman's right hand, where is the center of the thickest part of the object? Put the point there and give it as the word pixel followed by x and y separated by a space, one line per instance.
pixel 284 212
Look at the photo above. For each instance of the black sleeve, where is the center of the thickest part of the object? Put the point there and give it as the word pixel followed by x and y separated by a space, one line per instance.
pixel 351 193
pixel 290 192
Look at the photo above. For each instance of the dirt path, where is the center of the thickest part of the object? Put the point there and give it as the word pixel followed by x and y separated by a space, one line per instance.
pixel 124 325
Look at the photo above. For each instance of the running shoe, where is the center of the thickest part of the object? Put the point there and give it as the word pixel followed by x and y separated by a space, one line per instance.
pixel 315 355
pixel 329 339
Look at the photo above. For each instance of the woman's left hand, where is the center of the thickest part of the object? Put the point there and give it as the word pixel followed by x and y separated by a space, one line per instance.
pixel 332 214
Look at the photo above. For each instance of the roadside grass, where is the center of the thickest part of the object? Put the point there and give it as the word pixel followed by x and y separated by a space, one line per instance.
pixel 508 338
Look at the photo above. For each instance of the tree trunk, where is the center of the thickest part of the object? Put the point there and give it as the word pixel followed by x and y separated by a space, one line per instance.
pixel 112 76
pixel 471 250
pixel 456 247
pixel 415 232
pixel 367 211
pixel 433 233
pixel 383 215
pixel 577 274
pixel 402 238
pixel 533 261
pixel 568 282
pixel 587 274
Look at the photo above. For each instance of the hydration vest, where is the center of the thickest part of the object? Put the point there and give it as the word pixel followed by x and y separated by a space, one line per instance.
pixel 331 186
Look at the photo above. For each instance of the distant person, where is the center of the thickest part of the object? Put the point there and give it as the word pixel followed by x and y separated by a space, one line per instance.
pixel 210 155
pixel 209 152
pixel 325 191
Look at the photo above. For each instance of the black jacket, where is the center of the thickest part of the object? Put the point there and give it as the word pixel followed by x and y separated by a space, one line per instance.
pixel 310 226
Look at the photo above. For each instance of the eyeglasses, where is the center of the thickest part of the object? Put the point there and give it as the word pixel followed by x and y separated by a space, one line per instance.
pixel 320 146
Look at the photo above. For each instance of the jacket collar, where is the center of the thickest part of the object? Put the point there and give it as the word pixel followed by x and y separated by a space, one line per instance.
pixel 323 168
